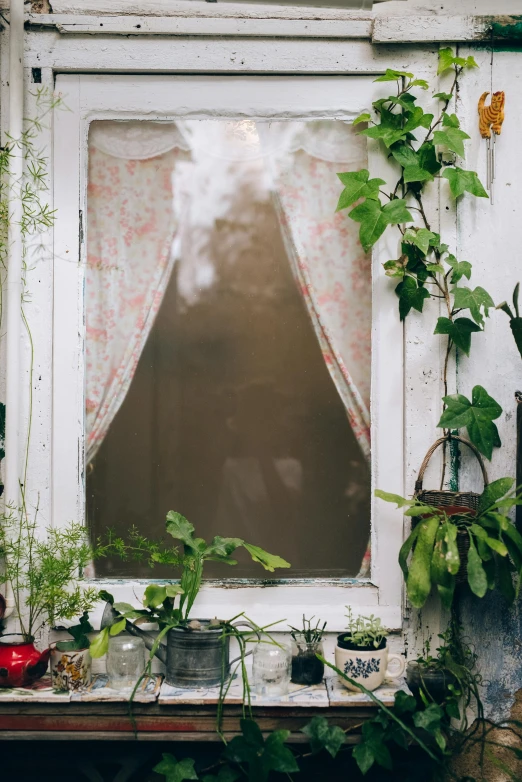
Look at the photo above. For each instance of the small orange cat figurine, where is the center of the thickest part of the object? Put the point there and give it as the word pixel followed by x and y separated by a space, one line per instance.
pixel 491 117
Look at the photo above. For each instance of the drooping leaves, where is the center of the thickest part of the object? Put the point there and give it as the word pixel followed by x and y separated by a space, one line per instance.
pixel 268 561
pixel 458 330
pixel 477 416
pixel 477 579
pixel 419 576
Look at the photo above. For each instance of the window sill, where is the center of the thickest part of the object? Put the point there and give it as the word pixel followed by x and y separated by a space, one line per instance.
pixel 165 713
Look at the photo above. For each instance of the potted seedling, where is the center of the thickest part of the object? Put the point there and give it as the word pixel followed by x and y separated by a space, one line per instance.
pixel 71 665
pixel 362 653
pixel 197 649
pixel 307 668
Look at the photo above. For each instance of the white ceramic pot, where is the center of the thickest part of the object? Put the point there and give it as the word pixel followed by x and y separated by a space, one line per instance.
pixel 368 668
pixel 70 670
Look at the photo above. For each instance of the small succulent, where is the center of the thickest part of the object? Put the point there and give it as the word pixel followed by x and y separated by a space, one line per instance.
pixel 308 634
pixel 364 630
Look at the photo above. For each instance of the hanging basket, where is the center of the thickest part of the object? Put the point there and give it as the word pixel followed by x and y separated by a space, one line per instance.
pixel 452 501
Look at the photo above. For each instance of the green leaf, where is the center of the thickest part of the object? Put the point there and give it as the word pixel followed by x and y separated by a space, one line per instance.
pixel 406 548
pixel 404 703
pixel 324 736
pixel 445 96
pixel 174 771
pixel 401 502
pixel 180 528
pixel 374 218
pixel 419 577
pixel 436 268
pixel 461 181
pixel 364 117
pixel 357 184
pixel 173 590
pixel 118 627
pixel 364 757
pixel 452 549
pixel 277 756
pixel 225 774
pixel 474 300
pixel 460 268
pixel 392 75
pixel 505 580
pixel 452 138
pixel 420 237
pixel 100 644
pixel 390 130
pixel 260 755
pixel 448 60
pixel 410 296
pixel 459 330
pixel 422 83
pixel 154 595
pixel 428 158
pixel 404 154
pixel 269 561
pixel 222 547
pixel 493 492
pixel 416 174
pixel 430 719
pixel 477 416
pixel 450 121
pixel 497 546
pixel 477 579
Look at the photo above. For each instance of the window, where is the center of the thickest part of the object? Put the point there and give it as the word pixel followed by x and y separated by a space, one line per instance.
pixel 224 313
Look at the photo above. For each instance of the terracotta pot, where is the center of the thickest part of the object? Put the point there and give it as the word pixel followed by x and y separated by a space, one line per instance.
pixel 20 662
pixel 70 669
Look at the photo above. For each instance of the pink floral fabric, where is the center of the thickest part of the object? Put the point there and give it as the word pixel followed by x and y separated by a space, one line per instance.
pixel 334 275
pixel 131 227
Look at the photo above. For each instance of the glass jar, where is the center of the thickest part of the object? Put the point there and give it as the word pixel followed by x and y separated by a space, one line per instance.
pixel 306 668
pixel 271 669
pixel 125 661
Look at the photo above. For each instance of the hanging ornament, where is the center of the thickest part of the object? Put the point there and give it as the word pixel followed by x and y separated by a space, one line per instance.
pixel 490 119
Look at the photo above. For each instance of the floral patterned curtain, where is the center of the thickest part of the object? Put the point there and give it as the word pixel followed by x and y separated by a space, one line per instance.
pixel 131 228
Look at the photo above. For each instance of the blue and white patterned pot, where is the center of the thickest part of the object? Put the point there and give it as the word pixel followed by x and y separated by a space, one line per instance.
pixel 368 668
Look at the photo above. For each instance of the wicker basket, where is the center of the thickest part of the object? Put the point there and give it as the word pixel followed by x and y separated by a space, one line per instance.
pixel 452 501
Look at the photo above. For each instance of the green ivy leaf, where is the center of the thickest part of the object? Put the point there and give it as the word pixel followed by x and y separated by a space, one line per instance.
pixel 404 703
pixel 225 774
pixel 452 138
pixel 389 131
pixel 428 158
pixel 410 296
pixel 474 300
pixel 391 75
pixel 374 218
pixel 505 580
pixel 460 268
pixel 404 154
pixel 422 83
pixel 364 117
pixel 430 719
pixel 174 771
pixel 448 60
pixel 416 174
pixel 445 96
pixel 324 736
pixel 364 757
pixel 357 184
pixel 477 416
pixel 459 330
pixel 461 181
pixel 420 237
pixel 450 121
pixel 494 492
pixel 436 268
pixel 260 755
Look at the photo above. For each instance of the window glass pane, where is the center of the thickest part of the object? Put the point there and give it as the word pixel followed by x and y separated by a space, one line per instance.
pixel 228 312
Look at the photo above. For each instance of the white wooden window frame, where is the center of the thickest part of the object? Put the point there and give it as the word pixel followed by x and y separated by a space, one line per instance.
pixel 56 313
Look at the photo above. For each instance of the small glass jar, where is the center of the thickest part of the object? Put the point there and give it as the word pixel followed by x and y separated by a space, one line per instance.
pixel 125 661
pixel 306 668
pixel 271 669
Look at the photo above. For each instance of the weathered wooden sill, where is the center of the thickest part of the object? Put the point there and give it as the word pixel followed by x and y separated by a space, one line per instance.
pixel 190 716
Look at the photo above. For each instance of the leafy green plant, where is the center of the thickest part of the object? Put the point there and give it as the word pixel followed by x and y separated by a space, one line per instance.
pixel 79 635
pixel 159 600
pixel 45 572
pixel 515 321
pixel 495 547
pixel 425 147
pixel 364 631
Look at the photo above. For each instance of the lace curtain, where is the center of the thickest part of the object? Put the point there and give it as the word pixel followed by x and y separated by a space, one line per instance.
pixel 133 221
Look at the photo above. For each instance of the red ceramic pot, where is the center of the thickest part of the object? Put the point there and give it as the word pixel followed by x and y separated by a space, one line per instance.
pixel 20 662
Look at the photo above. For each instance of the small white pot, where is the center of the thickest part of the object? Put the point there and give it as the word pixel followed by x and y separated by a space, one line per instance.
pixel 368 668
pixel 70 670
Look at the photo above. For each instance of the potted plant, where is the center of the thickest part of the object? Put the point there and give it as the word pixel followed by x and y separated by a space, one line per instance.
pixel 71 664
pixel 45 576
pixel 362 653
pixel 197 650
pixel 481 547
pixel 307 668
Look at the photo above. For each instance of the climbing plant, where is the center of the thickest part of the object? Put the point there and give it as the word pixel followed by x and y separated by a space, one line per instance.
pixel 423 147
